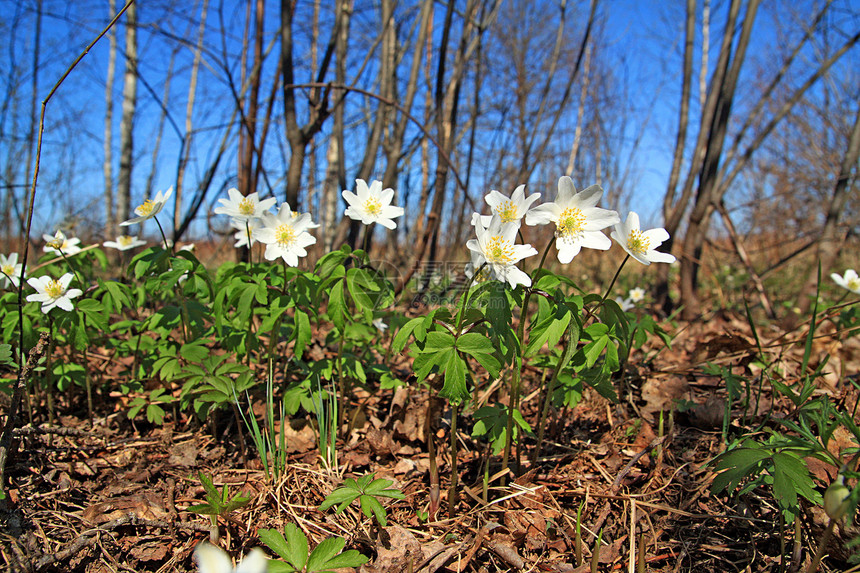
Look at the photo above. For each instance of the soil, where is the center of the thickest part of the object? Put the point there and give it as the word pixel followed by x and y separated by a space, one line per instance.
pixel 113 495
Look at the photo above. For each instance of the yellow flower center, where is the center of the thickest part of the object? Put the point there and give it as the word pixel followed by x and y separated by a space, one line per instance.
pixel 56 243
pixel 498 250
pixel 146 208
pixel 54 289
pixel 373 207
pixel 124 240
pixel 507 211
pixel 286 236
pixel 570 223
pixel 246 207
pixel 854 283
pixel 637 242
pixel 8 270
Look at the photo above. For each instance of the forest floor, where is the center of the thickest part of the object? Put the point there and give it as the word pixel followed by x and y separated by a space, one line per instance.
pixel 113 495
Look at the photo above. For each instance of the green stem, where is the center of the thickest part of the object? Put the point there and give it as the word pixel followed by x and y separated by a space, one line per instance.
pixel 516 373
pixel 49 374
pixel 452 489
pixel 164 237
pixel 248 231
pixel 615 278
pixel 74 269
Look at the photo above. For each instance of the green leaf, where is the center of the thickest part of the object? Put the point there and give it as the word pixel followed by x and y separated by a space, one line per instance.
pixel 454 388
pixel 303 332
pixel 293 548
pixel 437 340
pixel 371 506
pixel 351 558
pixel 733 466
pixel 339 496
pixel 594 349
pixel 328 263
pixel 194 351
pixel 323 553
pixel 402 336
pixel 337 305
pixel 473 342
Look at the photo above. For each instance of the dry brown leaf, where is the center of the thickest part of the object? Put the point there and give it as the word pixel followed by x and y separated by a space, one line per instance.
pixel 147 506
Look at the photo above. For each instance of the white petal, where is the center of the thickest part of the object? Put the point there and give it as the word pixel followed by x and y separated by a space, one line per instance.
pixel 254 562
pixel 350 197
pixel 589 196
pixel 566 250
pixel 390 212
pixel 211 559
pixel 387 223
pixel 386 196
pixel 494 198
pixel 515 276
pixel 64 303
pixel 656 236
pixel 566 190
pixel 658 257
pixel 595 240
pixel 597 219
pixel 543 214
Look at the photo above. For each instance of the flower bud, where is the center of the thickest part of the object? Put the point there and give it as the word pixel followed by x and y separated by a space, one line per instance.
pixel 836 499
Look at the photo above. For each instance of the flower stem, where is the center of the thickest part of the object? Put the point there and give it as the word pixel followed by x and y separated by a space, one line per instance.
pixel 163 236
pixel 615 278
pixel 71 266
pixel 516 374
pixel 250 249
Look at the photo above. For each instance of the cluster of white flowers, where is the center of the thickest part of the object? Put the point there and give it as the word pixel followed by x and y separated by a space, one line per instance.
pixel 578 223
pixel 286 233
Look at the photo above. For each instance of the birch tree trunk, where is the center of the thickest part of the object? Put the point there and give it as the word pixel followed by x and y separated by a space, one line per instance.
pixel 126 128
pixel 110 220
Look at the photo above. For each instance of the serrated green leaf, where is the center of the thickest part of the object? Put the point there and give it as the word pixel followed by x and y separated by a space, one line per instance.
pixel 454 388
pixel 473 342
pixel 402 336
pixel 303 332
pixel 370 506
pixel 437 340
pixel 351 558
pixel 339 496
pixel 323 554
pixel 294 548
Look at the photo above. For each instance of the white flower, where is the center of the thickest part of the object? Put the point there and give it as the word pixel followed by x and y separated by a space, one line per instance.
pixel 625 304
pixel 242 207
pixel 11 271
pixel 380 325
pixel 188 247
pixel 285 235
pixel 52 292
pixel 495 247
pixel 639 244
pixel 150 208
pixel 578 223
pixel 241 234
pixel 849 281
pixel 372 204
pixel 211 559
pixel 510 209
pixel 124 243
pixel 60 244
pixel 636 294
